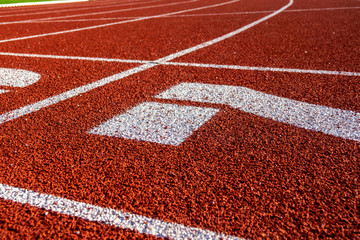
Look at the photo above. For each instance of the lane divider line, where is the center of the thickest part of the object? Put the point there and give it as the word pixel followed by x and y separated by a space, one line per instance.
pixel 39 3
pixel 265 69
pixel 185 64
pixel 198 15
pixel 97 13
pixel 115 23
pixel 74 9
pixel 102 214
pixel 117 218
pixel 28 10
pixel 332 121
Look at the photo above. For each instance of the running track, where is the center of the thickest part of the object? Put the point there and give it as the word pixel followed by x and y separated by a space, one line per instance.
pixel 200 119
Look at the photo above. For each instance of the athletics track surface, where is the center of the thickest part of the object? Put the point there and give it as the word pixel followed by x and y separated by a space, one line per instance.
pixel 180 119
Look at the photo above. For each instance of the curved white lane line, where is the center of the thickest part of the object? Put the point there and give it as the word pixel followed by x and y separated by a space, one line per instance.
pixel 49 7
pixel 106 215
pixel 219 39
pixel 40 3
pixel 97 13
pixel 75 9
pixel 115 23
pixel 195 15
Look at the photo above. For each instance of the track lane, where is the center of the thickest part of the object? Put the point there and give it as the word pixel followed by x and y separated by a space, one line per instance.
pixel 72 75
pixel 95 12
pixel 113 23
pixel 256 174
pixel 305 40
pixel 248 166
pixel 150 39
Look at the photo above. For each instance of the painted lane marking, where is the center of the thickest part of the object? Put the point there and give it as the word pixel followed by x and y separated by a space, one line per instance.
pixel 40 3
pixel 17 78
pixel 115 23
pixel 73 9
pixel 97 13
pixel 117 218
pixel 162 123
pixel 4 91
pixel 101 214
pixel 201 15
pixel 185 64
pixel 14 114
pixel 266 69
pixel 332 121
pixel 52 7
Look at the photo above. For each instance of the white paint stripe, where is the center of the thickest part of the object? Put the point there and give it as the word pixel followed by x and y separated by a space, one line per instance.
pixel 73 9
pixel 73 58
pixel 117 218
pixel 332 121
pixel 115 23
pixel 196 15
pixel 36 9
pixel 40 3
pixel 97 13
pixel 266 69
pixel 259 12
pixel 185 64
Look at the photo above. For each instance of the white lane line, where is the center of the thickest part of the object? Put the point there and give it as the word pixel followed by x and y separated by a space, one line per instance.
pixel 101 214
pixel 115 23
pixel 73 58
pixel 53 8
pixel 97 13
pixel 10 77
pixel 117 218
pixel 266 69
pixel 162 123
pixel 199 15
pixel 74 9
pixel 332 121
pixel 185 64
pixel 40 3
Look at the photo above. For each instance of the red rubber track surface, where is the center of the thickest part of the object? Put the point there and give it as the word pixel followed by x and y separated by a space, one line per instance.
pixel 298 45
pixel 239 174
pixel 54 13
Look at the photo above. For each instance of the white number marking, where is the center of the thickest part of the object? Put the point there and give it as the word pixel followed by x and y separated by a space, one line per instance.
pixel 161 123
pixel 332 121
